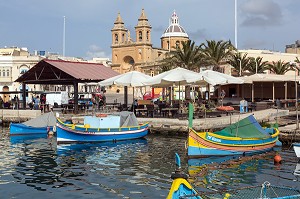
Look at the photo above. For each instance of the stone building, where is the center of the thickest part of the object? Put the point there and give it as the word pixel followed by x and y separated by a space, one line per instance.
pixel 293 48
pixel 14 62
pixel 139 54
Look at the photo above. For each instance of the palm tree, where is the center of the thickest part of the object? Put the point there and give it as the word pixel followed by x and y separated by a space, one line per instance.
pixel 188 56
pixel 257 65
pixel 166 64
pixel 279 67
pixel 217 52
pixel 240 63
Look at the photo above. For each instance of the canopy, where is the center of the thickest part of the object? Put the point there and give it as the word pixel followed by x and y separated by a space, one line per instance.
pixel 133 79
pixel 47 119
pixel 217 78
pixel 269 78
pixel 178 76
pixel 245 128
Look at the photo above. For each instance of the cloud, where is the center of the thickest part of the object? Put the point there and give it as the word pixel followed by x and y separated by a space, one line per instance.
pixel 261 13
pixel 197 35
pixel 96 51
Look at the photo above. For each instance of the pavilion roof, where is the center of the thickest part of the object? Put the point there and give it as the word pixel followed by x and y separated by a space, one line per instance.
pixel 65 72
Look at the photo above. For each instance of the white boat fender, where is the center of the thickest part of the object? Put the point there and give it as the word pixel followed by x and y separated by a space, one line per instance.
pixel 54 128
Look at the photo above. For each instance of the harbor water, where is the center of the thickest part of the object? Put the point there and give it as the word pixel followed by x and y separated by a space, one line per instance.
pixel 35 167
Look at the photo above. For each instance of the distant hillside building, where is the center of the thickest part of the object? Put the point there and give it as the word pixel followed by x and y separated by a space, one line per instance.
pixel 293 48
pixel 139 54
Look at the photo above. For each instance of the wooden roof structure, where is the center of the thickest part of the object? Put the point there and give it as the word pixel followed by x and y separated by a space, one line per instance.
pixel 65 73
pixel 58 72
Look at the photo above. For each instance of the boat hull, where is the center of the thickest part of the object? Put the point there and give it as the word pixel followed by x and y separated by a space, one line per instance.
pixel 206 144
pixel 181 188
pixel 68 133
pixel 22 129
pixel 296 147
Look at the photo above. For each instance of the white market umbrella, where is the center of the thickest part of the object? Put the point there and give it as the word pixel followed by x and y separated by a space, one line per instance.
pixel 175 77
pixel 178 76
pixel 217 78
pixel 132 78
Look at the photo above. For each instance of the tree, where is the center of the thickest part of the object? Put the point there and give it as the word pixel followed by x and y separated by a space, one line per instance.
pixel 166 64
pixel 279 67
pixel 257 62
pixel 217 52
pixel 239 63
pixel 188 57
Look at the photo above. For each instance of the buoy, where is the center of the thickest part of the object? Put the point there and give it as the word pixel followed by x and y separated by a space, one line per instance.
pixel 277 158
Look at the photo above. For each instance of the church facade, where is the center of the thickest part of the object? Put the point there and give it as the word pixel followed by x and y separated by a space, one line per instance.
pixel 138 54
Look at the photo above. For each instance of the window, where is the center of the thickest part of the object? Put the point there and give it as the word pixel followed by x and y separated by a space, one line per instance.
pixel 152 73
pixel 140 36
pixel 148 35
pixel 7 73
pixel 3 72
pixel 116 38
pixel 23 70
pixel 123 37
pixel 177 44
pixel 168 45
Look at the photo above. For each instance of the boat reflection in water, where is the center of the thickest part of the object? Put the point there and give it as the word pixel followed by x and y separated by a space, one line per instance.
pixel 18 139
pixel 47 166
pixel 90 148
pixel 101 154
pixel 216 173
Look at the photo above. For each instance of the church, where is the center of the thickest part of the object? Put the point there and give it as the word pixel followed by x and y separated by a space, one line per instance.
pixel 138 54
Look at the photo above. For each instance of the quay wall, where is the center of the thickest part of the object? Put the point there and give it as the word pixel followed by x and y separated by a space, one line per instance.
pixel 9 115
pixel 175 126
pixel 212 123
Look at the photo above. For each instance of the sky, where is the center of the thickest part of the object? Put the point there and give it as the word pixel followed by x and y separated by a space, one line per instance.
pixel 39 24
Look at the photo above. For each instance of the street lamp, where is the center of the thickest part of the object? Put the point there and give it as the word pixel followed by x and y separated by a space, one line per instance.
pixel 240 67
pixel 294 64
pixel 255 66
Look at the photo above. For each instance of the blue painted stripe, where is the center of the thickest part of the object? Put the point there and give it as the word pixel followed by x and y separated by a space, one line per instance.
pixel 197 151
pixel 239 142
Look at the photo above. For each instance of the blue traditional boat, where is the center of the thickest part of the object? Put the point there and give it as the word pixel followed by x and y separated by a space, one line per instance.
pixel 242 138
pixel 181 189
pixel 114 127
pixel 40 125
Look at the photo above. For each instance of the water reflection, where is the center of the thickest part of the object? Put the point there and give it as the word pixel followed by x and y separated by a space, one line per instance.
pixel 31 168
pixel 19 139
pixel 223 173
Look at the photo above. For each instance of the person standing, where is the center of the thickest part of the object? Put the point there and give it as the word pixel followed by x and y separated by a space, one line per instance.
pixel 104 98
pixel 222 95
pixel 1 102
pixel 36 103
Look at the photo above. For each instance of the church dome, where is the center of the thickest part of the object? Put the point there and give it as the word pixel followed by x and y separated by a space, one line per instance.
pixel 174 29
